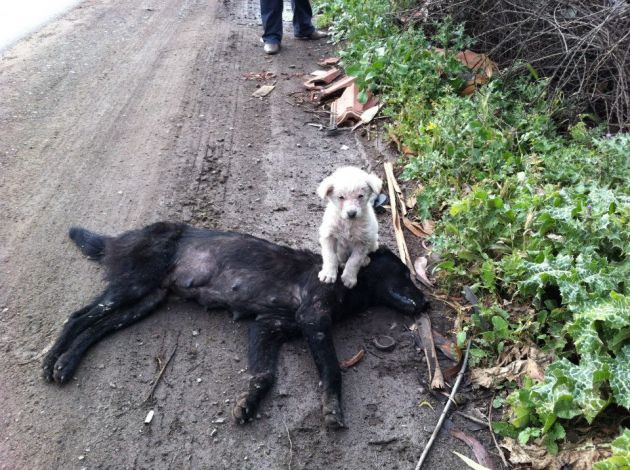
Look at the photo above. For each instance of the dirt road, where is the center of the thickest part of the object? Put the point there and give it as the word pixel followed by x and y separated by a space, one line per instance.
pixel 122 113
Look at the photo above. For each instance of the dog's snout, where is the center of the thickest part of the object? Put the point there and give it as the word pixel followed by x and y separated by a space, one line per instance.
pixel 352 214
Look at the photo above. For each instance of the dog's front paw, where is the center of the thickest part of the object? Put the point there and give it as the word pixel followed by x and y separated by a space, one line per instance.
pixel 349 280
pixel 64 368
pixel 327 276
pixel 365 261
pixel 333 417
pixel 48 366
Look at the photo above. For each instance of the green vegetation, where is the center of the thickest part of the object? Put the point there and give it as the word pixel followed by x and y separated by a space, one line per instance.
pixel 526 214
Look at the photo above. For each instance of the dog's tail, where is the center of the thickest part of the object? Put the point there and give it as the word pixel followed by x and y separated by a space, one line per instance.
pixel 91 244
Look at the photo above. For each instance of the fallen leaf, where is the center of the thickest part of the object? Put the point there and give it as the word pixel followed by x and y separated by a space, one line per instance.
pixel 576 457
pixel 471 463
pixel 420 265
pixel 354 360
pixel 370 114
pixel 411 201
pixel 427 404
pixel 481 454
pixel 264 90
pixel 448 347
pixel 428 226
pixel 413 228
pixel 406 150
pixel 493 376
pixel 329 61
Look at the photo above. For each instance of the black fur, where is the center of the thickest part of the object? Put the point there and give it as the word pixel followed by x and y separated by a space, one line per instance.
pixel 273 285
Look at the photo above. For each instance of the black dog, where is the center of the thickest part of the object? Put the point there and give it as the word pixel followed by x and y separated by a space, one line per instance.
pixel 253 278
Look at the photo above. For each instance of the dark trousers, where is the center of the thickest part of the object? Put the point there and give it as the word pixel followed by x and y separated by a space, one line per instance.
pixel 271 13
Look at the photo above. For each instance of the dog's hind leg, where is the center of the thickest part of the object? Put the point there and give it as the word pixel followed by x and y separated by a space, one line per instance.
pixel 116 296
pixel 315 323
pixel 265 339
pixel 115 319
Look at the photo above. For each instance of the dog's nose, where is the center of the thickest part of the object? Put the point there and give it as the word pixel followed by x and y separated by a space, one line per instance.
pixel 352 214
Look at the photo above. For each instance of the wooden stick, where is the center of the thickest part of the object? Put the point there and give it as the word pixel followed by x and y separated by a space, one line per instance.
pixel 496 444
pixel 157 380
pixel 460 375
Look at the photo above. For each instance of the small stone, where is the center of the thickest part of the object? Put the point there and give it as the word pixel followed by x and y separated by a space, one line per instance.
pixel 213 432
pixel 198 380
pixel 195 332
pixel 81 457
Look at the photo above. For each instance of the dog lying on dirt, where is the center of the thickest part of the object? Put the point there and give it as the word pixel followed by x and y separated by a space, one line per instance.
pixel 275 286
pixel 349 229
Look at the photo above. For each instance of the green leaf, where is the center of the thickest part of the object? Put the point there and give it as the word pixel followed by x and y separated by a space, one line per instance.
pixel 620 377
pixel 620 460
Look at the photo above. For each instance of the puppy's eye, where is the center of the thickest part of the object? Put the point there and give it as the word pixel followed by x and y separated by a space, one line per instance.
pixel 341 198
pixel 360 196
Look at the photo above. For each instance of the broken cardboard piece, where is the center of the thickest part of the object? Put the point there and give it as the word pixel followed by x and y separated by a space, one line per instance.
pixel 330 90
pixel 347 107
pixel 321 77
pixel 328 61
pixel 263 91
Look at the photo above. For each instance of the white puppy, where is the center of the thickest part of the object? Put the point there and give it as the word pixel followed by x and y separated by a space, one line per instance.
pixel 349 230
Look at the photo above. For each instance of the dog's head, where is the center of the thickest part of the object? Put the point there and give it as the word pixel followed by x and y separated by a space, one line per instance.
pixel 351 190
pixel 387 281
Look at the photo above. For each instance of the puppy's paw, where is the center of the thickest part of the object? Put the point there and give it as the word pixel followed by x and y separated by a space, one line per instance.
pixel 349 280
pixel 365 261
pixel 243 411
pixel 327 276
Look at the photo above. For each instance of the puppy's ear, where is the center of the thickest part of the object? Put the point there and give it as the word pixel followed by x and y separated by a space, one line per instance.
pixel 375 183
pixel 325 188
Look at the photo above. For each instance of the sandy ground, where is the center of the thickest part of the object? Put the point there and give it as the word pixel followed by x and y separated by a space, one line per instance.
pixel 123 113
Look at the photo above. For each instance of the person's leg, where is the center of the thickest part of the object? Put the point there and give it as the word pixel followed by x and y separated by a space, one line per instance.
pixel 302 18
pixel 271 13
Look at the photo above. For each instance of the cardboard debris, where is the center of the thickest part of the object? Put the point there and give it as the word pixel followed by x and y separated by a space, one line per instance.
pixel 347 108
pixel 263 91
pixel 333 88
pixel 482 69
pixel 328 61
pixel 321 78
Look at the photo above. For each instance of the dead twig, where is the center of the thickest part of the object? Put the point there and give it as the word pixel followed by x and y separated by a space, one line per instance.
pixel 472 418
pixel 290 442
pixel 494 438
pixel 458 381
pixel 160 374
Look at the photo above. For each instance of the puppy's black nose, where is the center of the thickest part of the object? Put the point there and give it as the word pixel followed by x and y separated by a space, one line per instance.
pixel 352 214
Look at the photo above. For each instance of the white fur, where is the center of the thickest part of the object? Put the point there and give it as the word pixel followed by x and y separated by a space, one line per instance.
pixel 346 240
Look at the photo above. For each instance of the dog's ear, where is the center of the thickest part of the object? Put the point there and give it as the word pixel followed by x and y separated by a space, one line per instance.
pixel 325 188
pixel 375 183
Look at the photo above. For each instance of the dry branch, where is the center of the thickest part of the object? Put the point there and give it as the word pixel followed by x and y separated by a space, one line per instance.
pixel 581 46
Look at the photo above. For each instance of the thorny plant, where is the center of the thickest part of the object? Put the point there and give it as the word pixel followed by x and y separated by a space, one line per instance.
pixel 532 217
